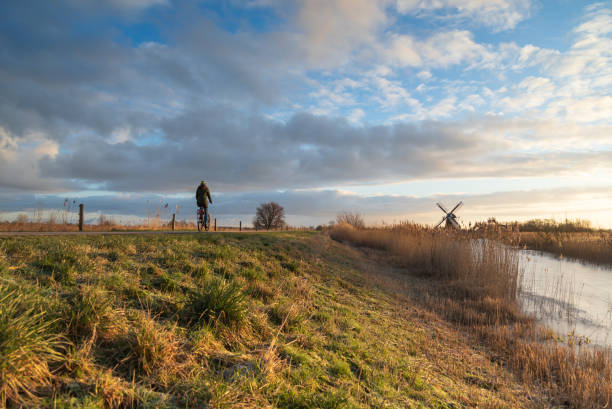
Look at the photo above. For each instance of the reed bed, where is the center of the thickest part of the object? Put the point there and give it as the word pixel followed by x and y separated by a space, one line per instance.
pixel 473 281
pixel 469 261
pixel 594 247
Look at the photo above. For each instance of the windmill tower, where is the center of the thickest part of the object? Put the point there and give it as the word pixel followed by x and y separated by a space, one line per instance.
pixel 449 217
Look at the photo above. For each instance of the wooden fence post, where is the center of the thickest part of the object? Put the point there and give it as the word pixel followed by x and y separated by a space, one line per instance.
pixel 240 225
pixel 215 224
pixel 81 216
pixel 173 220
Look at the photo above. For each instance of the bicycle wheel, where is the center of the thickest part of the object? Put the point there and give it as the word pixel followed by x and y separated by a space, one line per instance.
pixel 207 225
pixel 199 223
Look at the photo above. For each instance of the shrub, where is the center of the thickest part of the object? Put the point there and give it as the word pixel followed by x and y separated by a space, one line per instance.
pixel 27 346
pixel 352 219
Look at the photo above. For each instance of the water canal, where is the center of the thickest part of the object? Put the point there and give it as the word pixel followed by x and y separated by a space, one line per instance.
pixel 570 297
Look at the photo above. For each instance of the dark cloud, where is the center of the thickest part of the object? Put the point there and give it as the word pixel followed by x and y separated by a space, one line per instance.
pixel 236 152
pixel 70 70
pixel 239 153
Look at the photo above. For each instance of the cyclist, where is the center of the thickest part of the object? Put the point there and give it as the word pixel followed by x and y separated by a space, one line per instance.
pixel 202 199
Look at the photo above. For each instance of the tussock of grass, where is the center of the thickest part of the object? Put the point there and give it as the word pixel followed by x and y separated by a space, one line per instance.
pixel 86 309
pixel 147 347
pixel 217 301
pixel 27 348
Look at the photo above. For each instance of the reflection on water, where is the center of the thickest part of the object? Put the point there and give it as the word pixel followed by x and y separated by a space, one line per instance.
pixel 568 296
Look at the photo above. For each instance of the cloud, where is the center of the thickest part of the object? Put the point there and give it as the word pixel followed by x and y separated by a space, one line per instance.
pixel 356 115
pixel 424 75
pixel 572 85
pixel 453 47
pixel 392 93
pixel 138 4
pixel 590 109
pixel 403 51
pixel 496 14
pixel 238 153
pixel 439 50
pixel 531 92
pixel 70 82
pixel 19 163
pixel 585 70
pixel 333 29
pixel 241 153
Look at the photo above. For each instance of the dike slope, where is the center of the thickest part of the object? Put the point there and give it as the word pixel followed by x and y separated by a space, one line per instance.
pixel 279 320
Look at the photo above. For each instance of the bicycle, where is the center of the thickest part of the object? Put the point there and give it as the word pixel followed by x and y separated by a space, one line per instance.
pixel 200 219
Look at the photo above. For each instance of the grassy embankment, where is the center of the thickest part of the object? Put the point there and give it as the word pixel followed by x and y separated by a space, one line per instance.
pixel 288 320
pixel 474 284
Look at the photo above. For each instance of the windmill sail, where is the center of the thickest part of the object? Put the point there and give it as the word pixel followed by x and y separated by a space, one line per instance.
pixel 449 217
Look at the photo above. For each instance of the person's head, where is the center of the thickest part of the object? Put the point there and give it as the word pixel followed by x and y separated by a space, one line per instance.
pixel 202 183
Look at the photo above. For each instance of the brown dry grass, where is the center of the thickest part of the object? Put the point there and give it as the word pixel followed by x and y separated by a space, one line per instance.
pixel 23 224
pixel 481 266
pixel 594 247
pixel 26 225
pixel 475 287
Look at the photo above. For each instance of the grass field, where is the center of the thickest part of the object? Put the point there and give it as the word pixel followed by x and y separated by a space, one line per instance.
pixel 287 320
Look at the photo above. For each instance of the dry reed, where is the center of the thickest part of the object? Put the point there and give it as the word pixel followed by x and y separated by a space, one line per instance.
pixel 104 224
pixel 594 247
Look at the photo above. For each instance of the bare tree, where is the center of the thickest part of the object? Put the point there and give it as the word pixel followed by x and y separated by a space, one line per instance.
pixel 354 219
pixel 269 216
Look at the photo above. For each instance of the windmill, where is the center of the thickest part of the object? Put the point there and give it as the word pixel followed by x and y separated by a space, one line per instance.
pixel 449 217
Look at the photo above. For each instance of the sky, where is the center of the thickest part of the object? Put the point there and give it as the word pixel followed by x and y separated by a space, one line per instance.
pixel 380 107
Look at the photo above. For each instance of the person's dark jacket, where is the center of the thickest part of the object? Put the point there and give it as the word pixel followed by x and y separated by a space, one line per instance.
pixel 202 193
